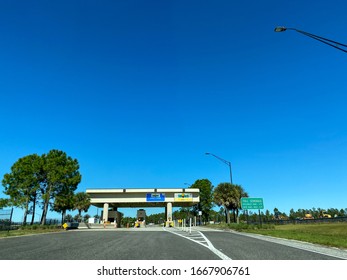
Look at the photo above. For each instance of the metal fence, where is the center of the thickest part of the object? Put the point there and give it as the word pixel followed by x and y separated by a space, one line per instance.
pixel 6 219
pixel 7 224
pixel 308 221
pixel 53 222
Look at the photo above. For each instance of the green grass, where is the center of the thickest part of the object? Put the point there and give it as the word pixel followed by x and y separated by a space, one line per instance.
pixel 34 229
pixel 328 234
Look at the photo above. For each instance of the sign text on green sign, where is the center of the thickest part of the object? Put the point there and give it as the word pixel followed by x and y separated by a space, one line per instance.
pixel 248 203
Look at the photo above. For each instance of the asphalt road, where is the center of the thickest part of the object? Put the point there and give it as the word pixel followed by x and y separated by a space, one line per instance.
pixel 103 245
pixel 151 245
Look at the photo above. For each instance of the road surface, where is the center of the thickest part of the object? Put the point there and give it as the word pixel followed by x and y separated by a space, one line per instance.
pixel 159 244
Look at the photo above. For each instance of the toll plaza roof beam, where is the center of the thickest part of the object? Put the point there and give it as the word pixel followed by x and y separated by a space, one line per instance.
pixel 132 198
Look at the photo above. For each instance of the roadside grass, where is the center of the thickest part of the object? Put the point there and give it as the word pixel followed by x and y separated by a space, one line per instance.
pixel 328 234
pixel 26 230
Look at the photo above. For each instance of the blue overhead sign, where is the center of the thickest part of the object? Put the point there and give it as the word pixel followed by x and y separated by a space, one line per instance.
pixel 155 197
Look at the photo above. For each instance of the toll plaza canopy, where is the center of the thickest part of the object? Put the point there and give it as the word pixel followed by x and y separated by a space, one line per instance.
pixel 129 198
pixel 123 198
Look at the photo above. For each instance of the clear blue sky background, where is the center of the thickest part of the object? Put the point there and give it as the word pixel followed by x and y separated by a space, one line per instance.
pixel 138 91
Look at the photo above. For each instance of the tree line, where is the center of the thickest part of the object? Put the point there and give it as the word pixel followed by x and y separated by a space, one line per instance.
pixel 48 181
pixel 228 197
pixel 225 195
pixel 315 213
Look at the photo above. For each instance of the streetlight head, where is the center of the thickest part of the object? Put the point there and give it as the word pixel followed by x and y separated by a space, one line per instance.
pixel 207 153
pixel 280 29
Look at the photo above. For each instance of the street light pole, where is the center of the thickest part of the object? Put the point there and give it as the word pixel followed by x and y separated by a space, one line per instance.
pixel 226 162
pixel 334 44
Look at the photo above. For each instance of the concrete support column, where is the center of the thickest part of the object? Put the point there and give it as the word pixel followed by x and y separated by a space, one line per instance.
pixel 169 212
pixel 119 219
pixel 105 214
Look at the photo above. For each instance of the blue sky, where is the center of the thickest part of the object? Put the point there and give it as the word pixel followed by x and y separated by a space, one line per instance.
pixel 138 91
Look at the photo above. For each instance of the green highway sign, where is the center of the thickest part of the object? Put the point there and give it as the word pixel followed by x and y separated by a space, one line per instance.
pixel 248 203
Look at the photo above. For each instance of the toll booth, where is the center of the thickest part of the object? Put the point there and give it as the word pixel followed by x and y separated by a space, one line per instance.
pixel 113 217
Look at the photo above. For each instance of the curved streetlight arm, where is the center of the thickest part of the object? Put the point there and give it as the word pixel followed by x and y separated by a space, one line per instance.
pixel 224 161
pixel 329 42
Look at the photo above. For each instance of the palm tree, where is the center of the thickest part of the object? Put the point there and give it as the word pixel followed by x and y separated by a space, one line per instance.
pixel 68 218
pixel 82 202
pixel 229 196
pixel 222 196
pixel 237 193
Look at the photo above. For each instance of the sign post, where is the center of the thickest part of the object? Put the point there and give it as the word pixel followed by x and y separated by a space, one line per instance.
pixel 248 203
pixel 200 214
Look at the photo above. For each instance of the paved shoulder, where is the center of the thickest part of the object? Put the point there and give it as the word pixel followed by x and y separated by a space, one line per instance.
pixel 324 250
pixel 244 246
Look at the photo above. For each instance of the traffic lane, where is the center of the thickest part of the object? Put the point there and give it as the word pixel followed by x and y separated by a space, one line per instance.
pixel 240 247
pixel 103 245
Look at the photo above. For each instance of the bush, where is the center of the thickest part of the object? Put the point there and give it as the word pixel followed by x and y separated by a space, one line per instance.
pixel 39 227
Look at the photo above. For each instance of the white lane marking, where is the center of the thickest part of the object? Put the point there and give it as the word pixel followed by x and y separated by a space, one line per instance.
pixel 208 244
pixel 214 250
pixel 184 236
